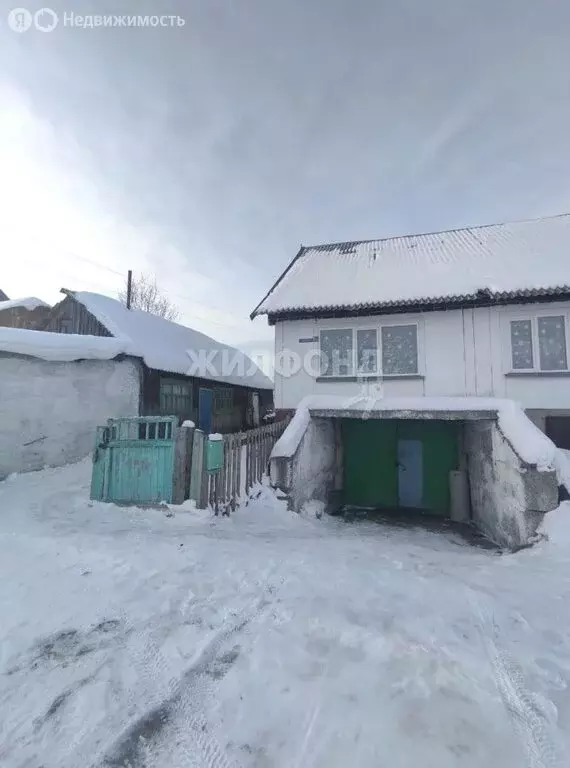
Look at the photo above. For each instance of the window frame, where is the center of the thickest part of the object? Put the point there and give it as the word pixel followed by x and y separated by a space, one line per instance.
pixel 223 399
pixel 535 339
pixel 400 324
pixel 333 375
pixel 379 373
pixel 367 329
pixel 176 398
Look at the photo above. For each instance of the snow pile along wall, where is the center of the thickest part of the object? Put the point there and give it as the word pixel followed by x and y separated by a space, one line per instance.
pixel 49 410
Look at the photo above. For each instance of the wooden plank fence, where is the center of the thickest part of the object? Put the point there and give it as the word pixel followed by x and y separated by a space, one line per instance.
pixel 246 461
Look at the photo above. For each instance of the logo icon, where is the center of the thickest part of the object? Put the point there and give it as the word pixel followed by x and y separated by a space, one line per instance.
pixel 45 20
pixel 20 20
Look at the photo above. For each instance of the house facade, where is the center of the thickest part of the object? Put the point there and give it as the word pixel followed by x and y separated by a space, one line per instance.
pixel 479 313
pixel 518 352
pixel 406 351
pixel 183 373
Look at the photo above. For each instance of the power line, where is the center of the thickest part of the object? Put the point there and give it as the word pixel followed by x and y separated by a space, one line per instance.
pixel 167 293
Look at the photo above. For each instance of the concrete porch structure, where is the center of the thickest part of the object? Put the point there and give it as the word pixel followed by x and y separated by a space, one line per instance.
pixel 503 483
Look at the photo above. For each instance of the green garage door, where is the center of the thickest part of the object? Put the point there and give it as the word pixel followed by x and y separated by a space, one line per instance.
pixel 375 470
pixel 370 472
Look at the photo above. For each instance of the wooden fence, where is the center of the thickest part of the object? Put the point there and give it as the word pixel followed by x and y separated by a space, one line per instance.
pixel 246 460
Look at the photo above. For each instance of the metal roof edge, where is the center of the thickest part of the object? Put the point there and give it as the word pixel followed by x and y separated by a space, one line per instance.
pixel 482 298
pixel 255 312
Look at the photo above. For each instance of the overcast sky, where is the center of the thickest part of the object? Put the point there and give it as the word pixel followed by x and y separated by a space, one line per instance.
pixel 207 153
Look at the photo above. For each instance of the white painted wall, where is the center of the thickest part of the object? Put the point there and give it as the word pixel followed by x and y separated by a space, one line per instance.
pixel 461 352
pixel 49 410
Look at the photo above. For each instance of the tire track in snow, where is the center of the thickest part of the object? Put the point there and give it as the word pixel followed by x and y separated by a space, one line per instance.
pixel 533 728
pixel 176 711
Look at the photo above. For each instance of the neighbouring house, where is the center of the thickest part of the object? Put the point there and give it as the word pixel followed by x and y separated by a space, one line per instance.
pixel 184 373
pixel 470 314
pixel 23 313
pixel 98 360
pixel 3 296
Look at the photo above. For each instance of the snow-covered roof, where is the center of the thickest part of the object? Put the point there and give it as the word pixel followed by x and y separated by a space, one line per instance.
pixel 30 303
pixel 531 445
pixel 59 347
pixel 496 262
pixel 171 347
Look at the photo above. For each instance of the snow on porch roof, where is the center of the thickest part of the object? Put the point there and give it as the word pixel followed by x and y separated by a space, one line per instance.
pixel 531 445
pixel 501 261
pixel 166 346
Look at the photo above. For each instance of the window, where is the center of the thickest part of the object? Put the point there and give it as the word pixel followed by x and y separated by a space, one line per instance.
pixel 545 334
pixel 175 397
pixel 552 343
pixel 337 353
pixel 521 345
pixel 399 349
pixel 349 352
pixel 367 351
pixel 223 399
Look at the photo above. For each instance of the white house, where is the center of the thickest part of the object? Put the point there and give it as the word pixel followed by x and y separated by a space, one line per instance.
pixel 473 312
pixel 479 313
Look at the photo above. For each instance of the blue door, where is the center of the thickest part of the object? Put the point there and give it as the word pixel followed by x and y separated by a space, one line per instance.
pixel 205 405
pixel 410 473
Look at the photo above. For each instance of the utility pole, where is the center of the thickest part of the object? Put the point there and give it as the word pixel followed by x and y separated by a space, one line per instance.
pixel 129 287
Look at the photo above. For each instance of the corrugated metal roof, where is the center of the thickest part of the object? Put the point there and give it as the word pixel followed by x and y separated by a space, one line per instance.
pixel 500 261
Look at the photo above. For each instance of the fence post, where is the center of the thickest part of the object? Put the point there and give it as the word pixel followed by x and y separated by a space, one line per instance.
pixel 235 488
pixel 197 470
pixel 247 463
pixel 239 456
pixel 182 460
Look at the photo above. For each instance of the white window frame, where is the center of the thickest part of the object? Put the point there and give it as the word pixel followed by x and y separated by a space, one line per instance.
pixel 342 329
pixel 378 374
pixel 398 324
pixel 366 328
pixel 534 318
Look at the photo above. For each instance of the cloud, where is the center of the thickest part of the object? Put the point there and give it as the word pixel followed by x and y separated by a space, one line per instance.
pixel 207 154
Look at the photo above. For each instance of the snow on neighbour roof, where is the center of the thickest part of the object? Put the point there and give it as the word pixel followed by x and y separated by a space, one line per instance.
pixel 531 445
pixel 527 257
pixel 28 303
pixel 168 346
pixel 59 347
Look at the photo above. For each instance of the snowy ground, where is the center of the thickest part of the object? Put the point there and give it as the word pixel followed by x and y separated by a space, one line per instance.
pixel 130 638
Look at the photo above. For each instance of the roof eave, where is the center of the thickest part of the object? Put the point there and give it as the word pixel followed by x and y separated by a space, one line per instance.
pixel 437 304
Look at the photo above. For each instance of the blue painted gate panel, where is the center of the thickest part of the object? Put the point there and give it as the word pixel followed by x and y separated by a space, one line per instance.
pixel 205 408
pixel 134 460
pixel 410 473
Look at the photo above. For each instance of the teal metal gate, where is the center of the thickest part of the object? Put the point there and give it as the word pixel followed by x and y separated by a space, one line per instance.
pixel 133 462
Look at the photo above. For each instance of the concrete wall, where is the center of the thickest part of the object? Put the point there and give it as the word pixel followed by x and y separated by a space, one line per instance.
pixel 461 352
pixel 312 472
pixel 508 498
pixel 49 410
